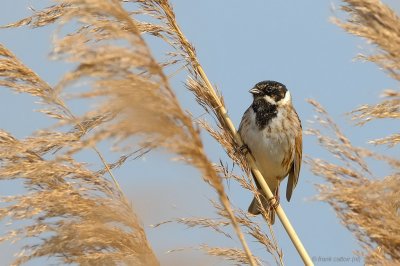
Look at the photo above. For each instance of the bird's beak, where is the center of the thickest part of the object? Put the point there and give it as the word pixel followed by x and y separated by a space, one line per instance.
pixel 254 91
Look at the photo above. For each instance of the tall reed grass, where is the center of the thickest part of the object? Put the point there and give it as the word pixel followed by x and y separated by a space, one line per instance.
pixel 82 216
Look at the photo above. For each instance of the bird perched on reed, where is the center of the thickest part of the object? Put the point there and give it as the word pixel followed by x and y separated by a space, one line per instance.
pixel 271 131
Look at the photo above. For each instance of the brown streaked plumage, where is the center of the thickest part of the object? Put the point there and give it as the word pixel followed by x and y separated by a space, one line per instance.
pixel 272 131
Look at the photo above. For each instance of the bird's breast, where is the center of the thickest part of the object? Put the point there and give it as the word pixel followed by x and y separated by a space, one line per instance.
pixel 271 147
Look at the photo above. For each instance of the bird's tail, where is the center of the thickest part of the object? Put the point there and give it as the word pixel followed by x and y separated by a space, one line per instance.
pixel 255 208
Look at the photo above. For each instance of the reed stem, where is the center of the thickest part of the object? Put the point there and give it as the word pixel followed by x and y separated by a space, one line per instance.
pixel 223 114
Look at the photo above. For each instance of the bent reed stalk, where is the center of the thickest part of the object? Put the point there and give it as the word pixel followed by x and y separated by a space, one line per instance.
pixel 223 115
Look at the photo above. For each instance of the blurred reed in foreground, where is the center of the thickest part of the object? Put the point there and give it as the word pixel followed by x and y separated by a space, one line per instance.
pixel 69 211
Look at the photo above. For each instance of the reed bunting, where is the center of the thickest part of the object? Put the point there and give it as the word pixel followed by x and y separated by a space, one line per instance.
pixel 271 131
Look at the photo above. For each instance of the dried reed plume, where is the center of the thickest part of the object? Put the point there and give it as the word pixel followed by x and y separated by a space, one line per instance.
pixel 367 203
pixel 80 216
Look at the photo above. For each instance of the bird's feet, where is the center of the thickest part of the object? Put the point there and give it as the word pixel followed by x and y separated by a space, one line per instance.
pixel 244 150
pixel 274 201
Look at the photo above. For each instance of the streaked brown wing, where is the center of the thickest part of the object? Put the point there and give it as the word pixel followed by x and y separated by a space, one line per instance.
pixel 295 169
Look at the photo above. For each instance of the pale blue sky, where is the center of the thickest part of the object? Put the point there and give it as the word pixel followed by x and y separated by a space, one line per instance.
pixel 238 45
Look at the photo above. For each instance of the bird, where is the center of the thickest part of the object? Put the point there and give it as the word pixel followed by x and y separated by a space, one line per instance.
pixel 271 132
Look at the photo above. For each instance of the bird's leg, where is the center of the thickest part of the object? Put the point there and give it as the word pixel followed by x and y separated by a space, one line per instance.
pixel 244 149
pixel 278 198
pixel 274 201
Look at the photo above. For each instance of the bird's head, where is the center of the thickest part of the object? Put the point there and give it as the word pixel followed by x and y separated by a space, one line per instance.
pixel 273 92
